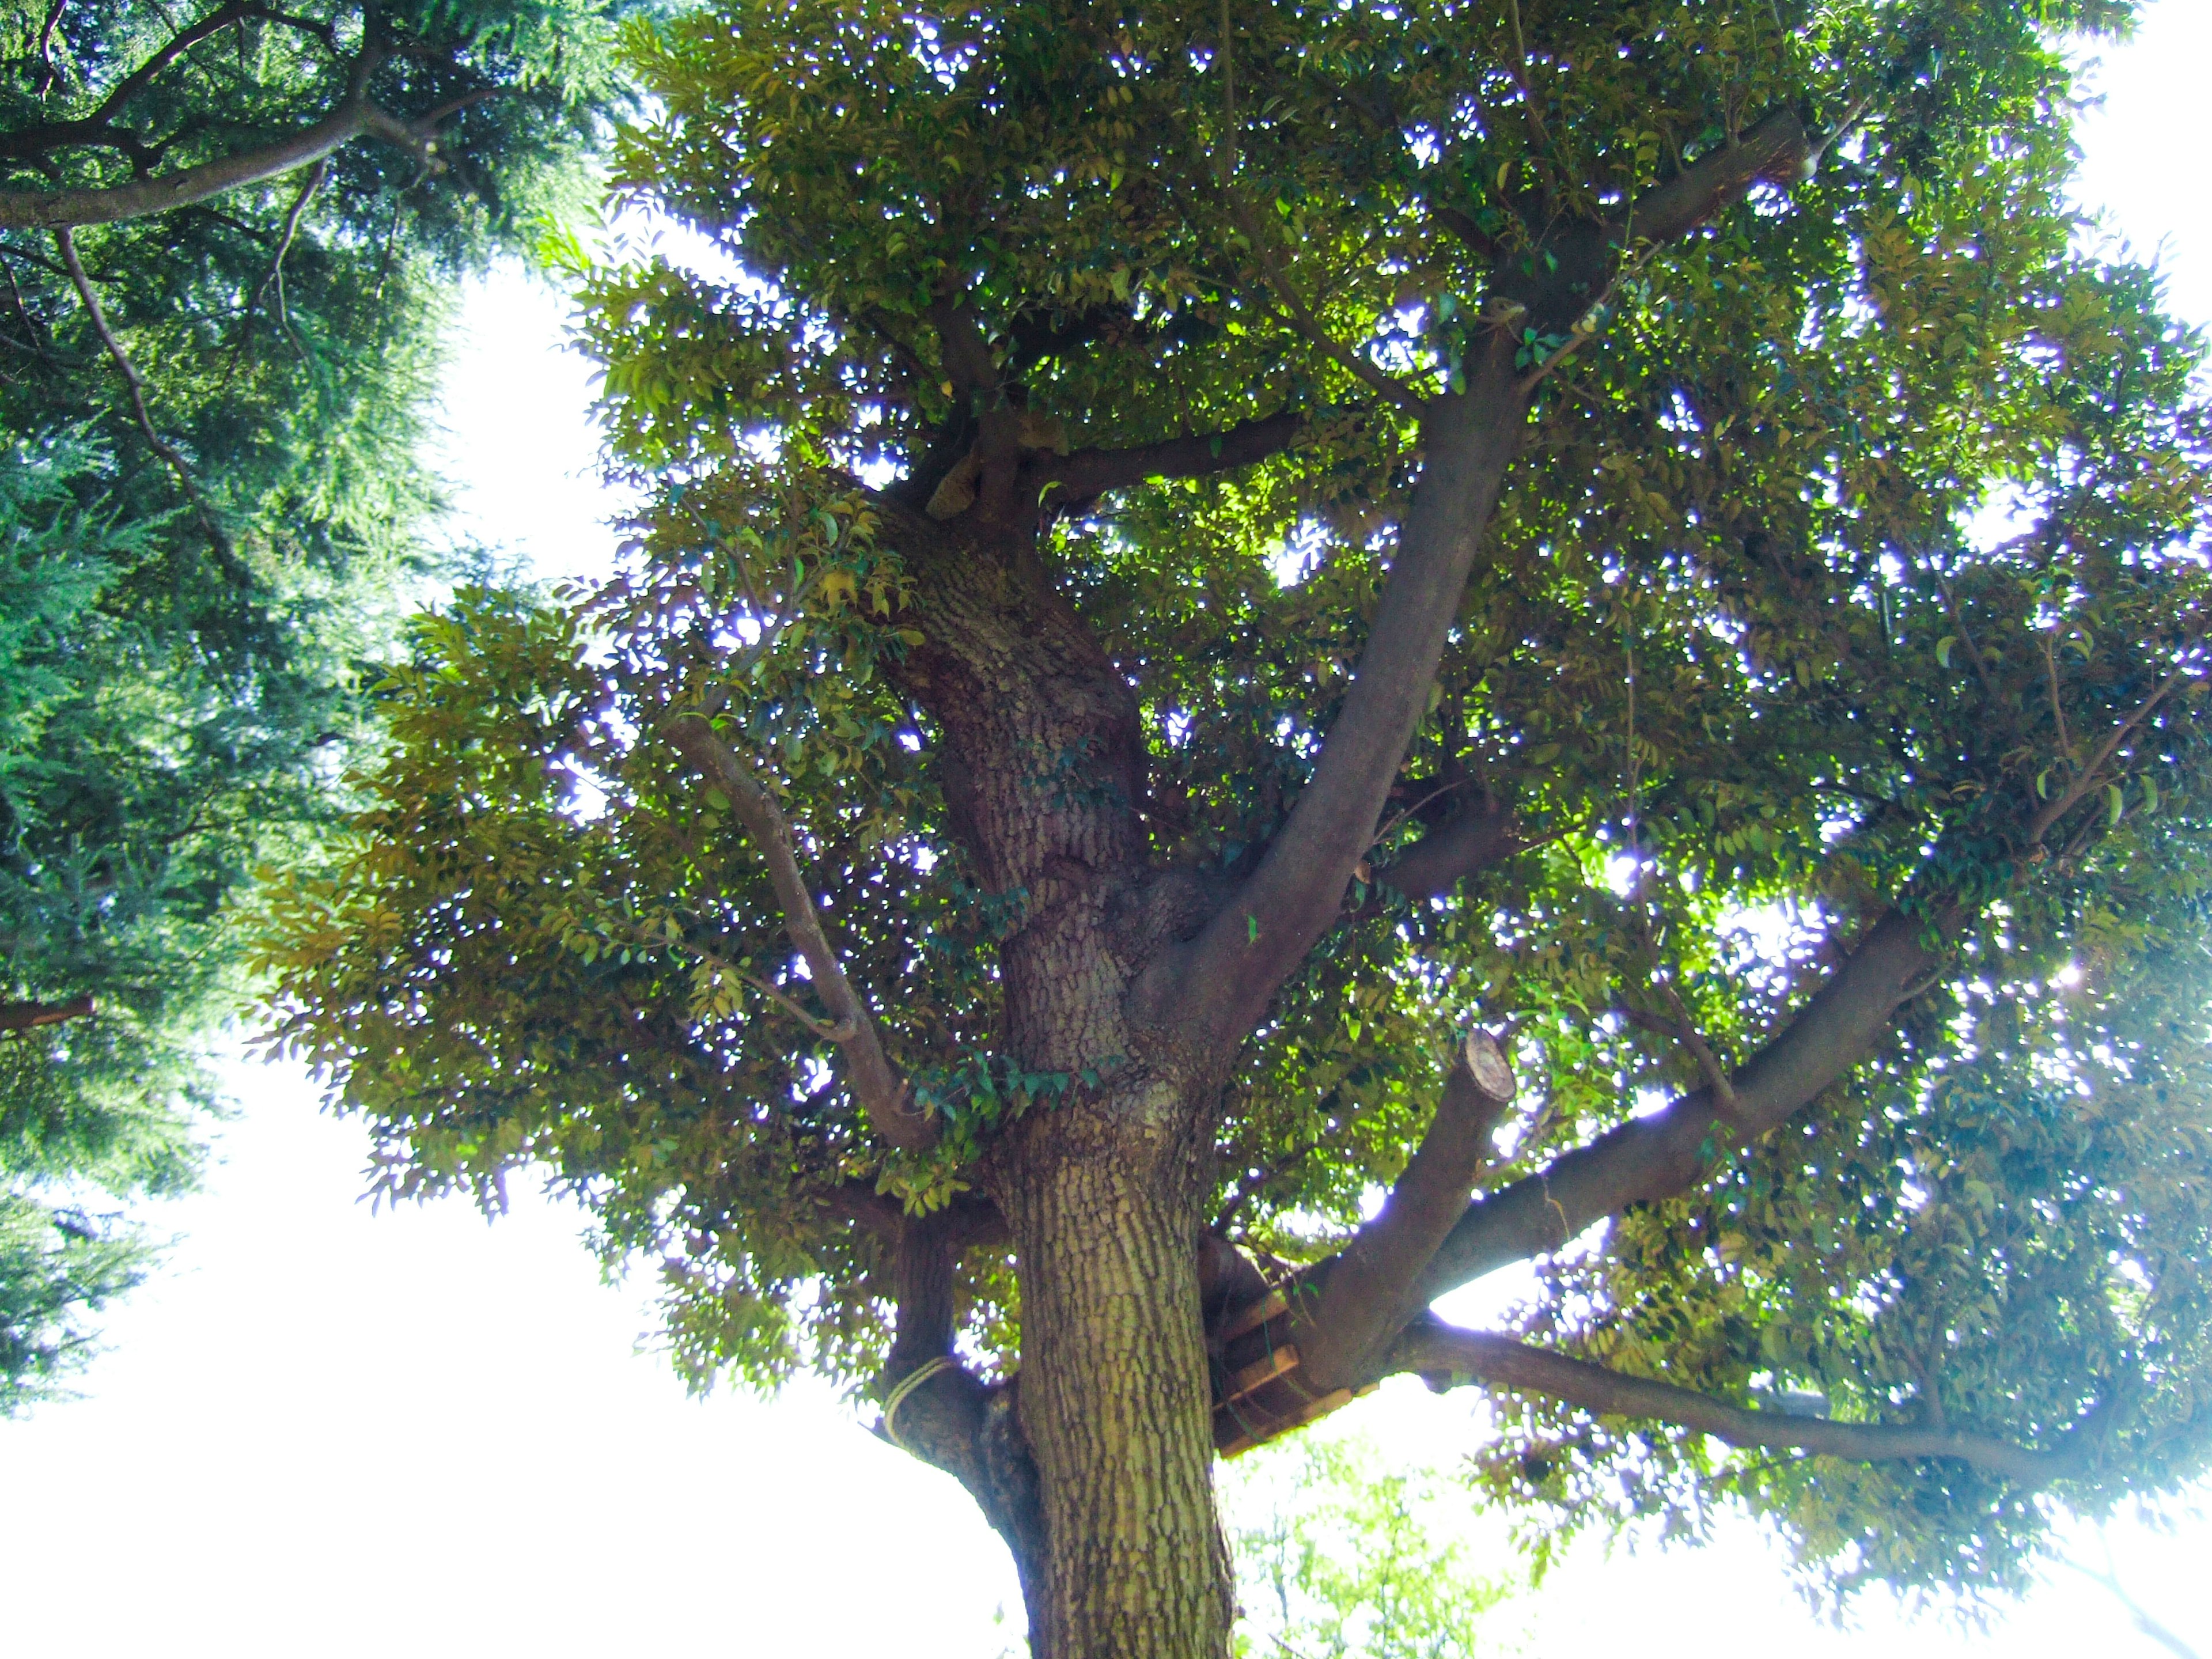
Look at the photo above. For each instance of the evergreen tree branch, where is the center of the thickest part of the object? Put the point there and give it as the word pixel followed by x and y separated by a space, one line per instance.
pixel 1446 1353
pixel 65 241
pixel 354 116
pixel 876 1084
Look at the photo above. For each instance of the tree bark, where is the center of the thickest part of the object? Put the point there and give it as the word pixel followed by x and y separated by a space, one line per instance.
pixel 1115 1396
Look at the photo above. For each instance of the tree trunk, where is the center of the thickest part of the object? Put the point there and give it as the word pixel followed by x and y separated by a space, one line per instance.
pixel 1043 769
pixel 1115 1402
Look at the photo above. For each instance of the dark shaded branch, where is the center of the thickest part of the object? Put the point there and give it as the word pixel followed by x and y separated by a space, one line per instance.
pixel 1479 241
pixel 1089 472
pixel 1479 836
pixel 1445 1352
pixel 881 1091
pixel 1366 1295
pixel 1668 1152
pixel 26 1015
pixel 923 1258
pixel 964 352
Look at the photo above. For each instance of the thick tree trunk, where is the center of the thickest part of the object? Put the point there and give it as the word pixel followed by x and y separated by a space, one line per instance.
pixel 1114 1399
pixel 1043 765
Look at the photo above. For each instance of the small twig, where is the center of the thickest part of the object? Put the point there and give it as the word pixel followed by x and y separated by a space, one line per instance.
pixel 2087 778
pixel 1536 127
pixel 1716 1078
pixel 1303 322
pixel 2058 708
pixel 2110 1579
pixel 823 1029
pixel 276 278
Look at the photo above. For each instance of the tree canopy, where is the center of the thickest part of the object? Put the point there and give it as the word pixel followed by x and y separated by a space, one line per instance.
pixel 1586 619
pixel 212 511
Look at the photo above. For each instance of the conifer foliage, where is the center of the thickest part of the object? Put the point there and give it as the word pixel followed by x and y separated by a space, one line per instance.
pixel 216 352
pixel 1587 615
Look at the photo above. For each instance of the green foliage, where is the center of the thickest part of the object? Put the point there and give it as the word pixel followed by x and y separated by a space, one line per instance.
pixel 181 633
pixel 1340 1557
pixel 1743 655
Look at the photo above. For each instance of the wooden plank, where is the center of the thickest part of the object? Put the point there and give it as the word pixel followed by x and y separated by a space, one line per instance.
pixel 1248 1438
pixel 1265 1369
pixel 1252 1315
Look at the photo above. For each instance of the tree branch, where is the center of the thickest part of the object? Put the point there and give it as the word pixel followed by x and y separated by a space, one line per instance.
pixel 26 1015
pixel 65 241
pixel 2092 774
pixel 1668 1152
pixel 881 1091
pixel 1090 472
pixel 30 209
pixel 1774 151
pixel 354 116
pixel 1217 986
pixel 1446 1352
pixel 1472 839
pixel 1219 982
pixel 1366 1295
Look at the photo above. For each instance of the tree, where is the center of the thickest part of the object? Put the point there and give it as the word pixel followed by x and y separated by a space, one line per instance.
pixel 1585 617
pixel 1342 1557
pixel 212 510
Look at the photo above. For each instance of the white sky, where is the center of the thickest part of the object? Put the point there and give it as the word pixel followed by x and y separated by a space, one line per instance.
pixel 325 1431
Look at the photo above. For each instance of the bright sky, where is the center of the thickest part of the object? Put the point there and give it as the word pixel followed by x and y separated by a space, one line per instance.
pixel 325 1431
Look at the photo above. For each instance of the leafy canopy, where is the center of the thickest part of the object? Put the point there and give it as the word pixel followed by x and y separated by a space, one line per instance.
pixel 1855 561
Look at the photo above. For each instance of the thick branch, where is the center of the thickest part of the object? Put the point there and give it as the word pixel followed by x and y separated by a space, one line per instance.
pixel 30 209
pixel 1472 839
pixel 1089 472
pixel 354 116
pixel 1366 1295
pixel 1444 1351
pixel 878 1086
pixel 964 353
pixel 24 1016
pixel 1774 151
pixel 1668 1152
pixel 1219 984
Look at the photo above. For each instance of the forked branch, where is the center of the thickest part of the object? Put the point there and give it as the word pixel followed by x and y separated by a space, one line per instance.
pixel 1446 1354
pixel 876 1084
pixel 1219 984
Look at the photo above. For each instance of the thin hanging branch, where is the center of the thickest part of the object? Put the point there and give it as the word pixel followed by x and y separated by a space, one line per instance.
pixel 65 240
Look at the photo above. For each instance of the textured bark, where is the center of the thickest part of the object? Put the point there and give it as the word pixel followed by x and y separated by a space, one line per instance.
pixel 1041 761
pixel 1115 1401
